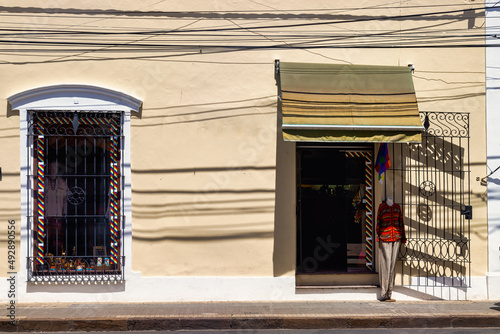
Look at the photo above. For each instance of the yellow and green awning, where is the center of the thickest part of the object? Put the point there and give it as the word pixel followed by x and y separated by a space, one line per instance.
pixel 348 103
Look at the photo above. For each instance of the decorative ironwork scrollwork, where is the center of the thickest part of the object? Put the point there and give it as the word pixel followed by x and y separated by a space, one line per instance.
pixel 67 123
pixel 427 188
pixel 76 195
pixel 435 250
pixel 445 124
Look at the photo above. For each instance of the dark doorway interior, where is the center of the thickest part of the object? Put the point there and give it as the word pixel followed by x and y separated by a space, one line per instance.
pixel 331 223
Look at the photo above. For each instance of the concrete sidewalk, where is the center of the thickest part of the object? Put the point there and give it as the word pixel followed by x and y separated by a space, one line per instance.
pixel 68 317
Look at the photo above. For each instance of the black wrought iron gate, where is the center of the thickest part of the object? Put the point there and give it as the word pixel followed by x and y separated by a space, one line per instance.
pixel 432 181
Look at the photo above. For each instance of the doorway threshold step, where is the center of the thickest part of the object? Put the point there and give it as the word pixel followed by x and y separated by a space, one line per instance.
pixel 337 280
pixel 312 287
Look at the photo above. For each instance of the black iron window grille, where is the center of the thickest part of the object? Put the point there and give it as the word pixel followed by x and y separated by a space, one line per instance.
pixel 432 181
pixel 75 216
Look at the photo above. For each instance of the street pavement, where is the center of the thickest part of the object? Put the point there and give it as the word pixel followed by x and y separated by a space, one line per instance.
pixel 66 317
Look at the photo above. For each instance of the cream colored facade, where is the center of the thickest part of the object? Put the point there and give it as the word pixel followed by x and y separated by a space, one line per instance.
pixel 211 213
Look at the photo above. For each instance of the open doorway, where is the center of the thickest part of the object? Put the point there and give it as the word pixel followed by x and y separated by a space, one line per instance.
pixel 334 209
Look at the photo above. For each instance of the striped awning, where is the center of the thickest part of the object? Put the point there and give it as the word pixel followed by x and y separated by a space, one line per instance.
pixel 348 103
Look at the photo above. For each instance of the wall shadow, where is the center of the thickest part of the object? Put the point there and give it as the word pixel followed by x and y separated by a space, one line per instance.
pixel 433 274
pixel 438 153
pixel 285 202
pixel 464 14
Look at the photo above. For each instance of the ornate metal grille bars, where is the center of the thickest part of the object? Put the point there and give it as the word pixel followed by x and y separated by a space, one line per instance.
pixel 432 181
pixel 76 187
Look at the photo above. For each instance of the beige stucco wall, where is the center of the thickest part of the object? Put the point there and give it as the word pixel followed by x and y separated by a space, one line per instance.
pixel 212 184
pixel 10 197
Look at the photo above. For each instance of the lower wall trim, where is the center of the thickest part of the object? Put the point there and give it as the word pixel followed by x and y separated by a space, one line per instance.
pixel 172 289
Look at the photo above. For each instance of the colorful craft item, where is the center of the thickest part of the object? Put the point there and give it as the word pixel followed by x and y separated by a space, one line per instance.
pixel 383 162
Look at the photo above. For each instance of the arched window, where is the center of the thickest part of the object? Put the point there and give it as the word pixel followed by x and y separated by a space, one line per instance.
pixel 75 177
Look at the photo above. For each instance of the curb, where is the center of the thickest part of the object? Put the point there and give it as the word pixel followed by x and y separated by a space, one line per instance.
pixel 228 323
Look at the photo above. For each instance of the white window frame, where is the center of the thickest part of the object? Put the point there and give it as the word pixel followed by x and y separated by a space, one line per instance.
pixel 74 97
